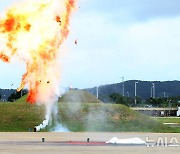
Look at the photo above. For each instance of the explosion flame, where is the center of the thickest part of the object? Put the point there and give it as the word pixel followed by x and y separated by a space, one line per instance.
pixel 33 31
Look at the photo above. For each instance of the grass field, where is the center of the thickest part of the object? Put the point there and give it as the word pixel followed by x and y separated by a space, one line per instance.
pixel 79 117
pixel 168 119
pixel 19 116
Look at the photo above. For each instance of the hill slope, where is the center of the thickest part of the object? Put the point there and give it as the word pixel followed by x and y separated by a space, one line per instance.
pixel 79 96
pixel 19 116
pixel 22 99
pixel 107 117
pixel 79 117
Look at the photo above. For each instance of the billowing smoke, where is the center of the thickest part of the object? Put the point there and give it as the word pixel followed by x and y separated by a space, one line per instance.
pixel 32 31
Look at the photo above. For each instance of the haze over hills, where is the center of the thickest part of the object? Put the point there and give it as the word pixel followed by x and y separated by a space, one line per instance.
pixel 143 89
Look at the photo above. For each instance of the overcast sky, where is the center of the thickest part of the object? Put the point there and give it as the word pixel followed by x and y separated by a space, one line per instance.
pixel 137 39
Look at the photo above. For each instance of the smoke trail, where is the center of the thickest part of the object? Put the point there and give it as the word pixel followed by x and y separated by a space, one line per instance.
pixel 32 31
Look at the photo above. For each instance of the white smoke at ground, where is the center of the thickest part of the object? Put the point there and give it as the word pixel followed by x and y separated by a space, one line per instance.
pixel 73 102
pixel 51 112
pixel 91 116
pixel 74 107
pixel 43 125
pixel 96 119
pixel 59 127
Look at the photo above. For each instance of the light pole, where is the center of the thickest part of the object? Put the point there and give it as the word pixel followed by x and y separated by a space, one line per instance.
pixel 151 91
pixel 122 86
pixel 135 93
pixel 127 94
pixel 97 93
pixel 4 98
pixel 164 94
pixel 153 85
pixel 169 101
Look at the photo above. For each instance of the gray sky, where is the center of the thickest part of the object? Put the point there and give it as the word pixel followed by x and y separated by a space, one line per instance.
pixel 137 39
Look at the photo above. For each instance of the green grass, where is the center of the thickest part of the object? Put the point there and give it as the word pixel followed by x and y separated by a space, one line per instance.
pixel 76 116
pixel 19 116
pixel 22 99
pixel 168 119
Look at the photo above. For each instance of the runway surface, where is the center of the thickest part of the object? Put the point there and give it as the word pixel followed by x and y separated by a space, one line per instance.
pixel 76 143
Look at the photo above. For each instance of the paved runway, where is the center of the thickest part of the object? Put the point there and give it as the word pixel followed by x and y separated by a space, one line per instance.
pixel 12 143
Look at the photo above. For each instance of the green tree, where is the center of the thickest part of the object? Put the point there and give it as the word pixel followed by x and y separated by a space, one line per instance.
pixel 16 95
pixel 119 99
pixel 164 102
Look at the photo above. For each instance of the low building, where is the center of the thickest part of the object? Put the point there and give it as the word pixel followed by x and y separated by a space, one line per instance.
pixel 158 111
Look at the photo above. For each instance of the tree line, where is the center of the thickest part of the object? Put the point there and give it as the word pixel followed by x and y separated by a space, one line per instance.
pixel 172 101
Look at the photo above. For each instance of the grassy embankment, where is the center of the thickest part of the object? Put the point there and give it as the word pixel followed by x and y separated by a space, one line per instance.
pixel 76 116
pixel 19 116
pixel 109 117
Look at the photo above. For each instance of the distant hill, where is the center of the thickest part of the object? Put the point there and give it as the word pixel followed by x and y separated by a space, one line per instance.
pixel 167 88
pixel 5 93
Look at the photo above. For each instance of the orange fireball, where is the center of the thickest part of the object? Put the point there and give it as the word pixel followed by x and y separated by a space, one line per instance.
pixel 29 33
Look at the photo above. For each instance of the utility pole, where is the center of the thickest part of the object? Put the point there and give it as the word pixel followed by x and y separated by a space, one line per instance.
pixel 127 94
pixel 135 93
pixel 169 101
pixel 122 86
pixel 97 92
pixel 164 94
pixel 153 90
